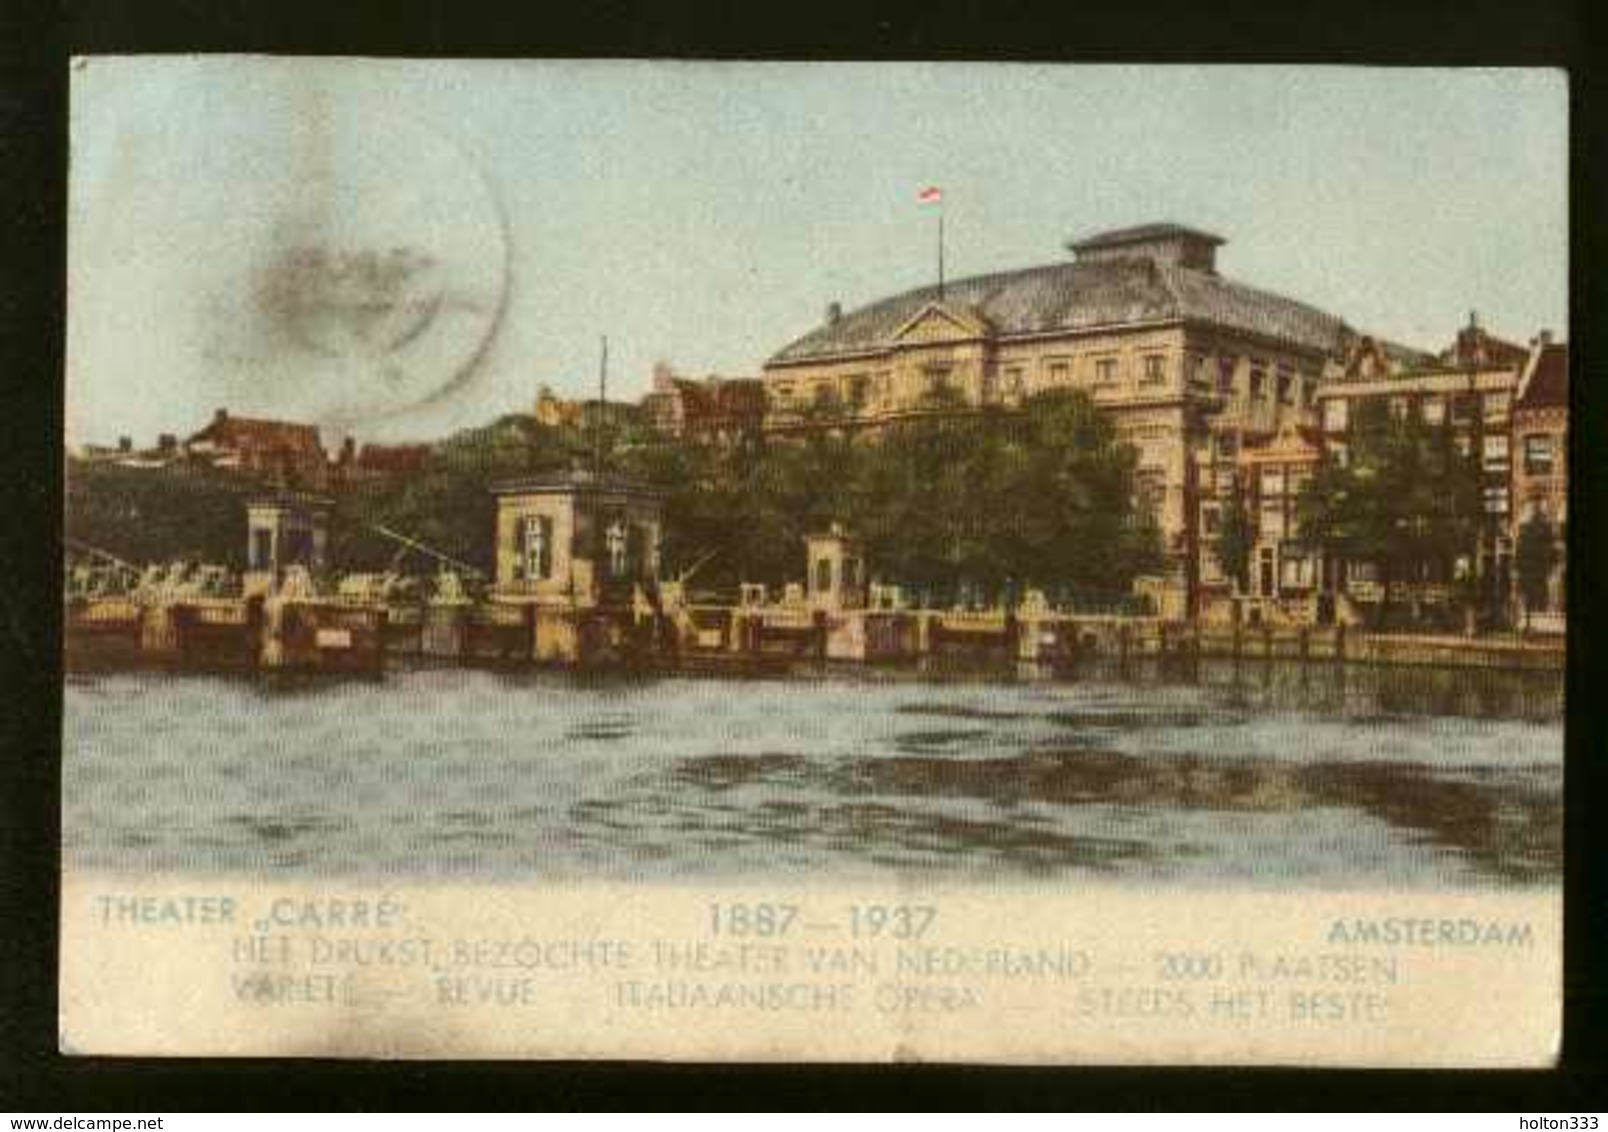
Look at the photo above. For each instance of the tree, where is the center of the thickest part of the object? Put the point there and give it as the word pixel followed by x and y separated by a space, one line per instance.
pixel 1235 538
pixel 1533 559
pixel 1407 499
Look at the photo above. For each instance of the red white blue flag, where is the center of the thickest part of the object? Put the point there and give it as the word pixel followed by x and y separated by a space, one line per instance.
pixel 932 194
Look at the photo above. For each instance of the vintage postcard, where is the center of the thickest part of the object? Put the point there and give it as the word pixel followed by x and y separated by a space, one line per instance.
pixel 735 561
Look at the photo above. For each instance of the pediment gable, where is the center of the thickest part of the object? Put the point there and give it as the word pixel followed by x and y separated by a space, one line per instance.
pixel 939 322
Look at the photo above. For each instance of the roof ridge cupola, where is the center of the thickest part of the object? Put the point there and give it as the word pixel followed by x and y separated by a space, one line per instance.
pixel 1167 244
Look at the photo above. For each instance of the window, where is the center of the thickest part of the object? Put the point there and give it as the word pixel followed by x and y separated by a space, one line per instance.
pixel 1272 481
pixel 1495 452
pixel 1060 374
pixel 1271 524
pixel 1194 367
pixel 1013 382
pixel 1538 455
pixel 1433 410
pixel 1227 443
pixel 851 574
pixel 1258 382
pixel 1155 371
pixel 262 553
pixel 1105 371
pixel 1496 499
pixel 1295 570
pixel 1152 491
pixel 859 390
pixel 1463 409
pixel 1336 415
pixel 1398 408
pixel 1496 403
pixel 937 380
pixel 1225 376
pixel 823 576
pixel 990 389
pixel 535 559
pixel 1209 518
pixel 616 547
pixel 1286 385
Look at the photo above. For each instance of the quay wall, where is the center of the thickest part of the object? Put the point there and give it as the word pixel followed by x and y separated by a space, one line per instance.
pixel 323 635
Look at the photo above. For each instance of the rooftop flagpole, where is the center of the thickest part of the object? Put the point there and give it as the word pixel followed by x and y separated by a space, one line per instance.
pixel 932 194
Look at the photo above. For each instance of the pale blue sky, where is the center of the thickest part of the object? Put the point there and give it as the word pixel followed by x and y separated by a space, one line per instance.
pixel 706 213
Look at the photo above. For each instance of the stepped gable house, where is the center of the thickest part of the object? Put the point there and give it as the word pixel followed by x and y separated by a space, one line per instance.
pixel 1189 364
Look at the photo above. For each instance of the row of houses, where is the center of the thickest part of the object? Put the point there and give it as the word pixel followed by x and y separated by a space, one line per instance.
pixel 284 453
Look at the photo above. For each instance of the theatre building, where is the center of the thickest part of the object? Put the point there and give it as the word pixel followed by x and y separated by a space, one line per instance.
pixel 1191 366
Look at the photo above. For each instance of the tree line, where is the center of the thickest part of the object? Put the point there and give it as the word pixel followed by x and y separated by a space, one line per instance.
pixel 949 504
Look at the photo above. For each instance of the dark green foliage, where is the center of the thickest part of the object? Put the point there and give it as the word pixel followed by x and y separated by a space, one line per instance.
pixel 992 501
pixel 1407 499
pixel 159 514
pixel 1534 557
pixel 1235 539
pixel 448 505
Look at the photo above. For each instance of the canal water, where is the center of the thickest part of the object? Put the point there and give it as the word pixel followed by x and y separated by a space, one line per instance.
pixel 1264 776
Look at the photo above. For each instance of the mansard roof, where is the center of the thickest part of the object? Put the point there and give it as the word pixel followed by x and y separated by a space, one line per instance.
pixel 1081 295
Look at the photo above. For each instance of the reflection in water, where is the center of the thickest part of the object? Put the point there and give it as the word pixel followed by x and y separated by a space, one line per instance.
pixel 1271 775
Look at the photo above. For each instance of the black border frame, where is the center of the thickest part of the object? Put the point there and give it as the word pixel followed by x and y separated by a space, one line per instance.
pixel 35 46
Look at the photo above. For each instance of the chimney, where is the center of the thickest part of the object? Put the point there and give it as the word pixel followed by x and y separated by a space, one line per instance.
pixel 167 442
pixel 1545 338
pixel 220 416
pixel 348 450
pixel 834 312
pixel 125 444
